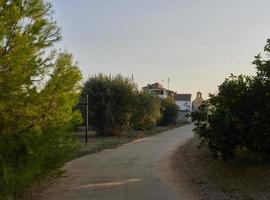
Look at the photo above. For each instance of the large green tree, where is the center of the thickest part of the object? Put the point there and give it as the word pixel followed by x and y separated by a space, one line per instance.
pixel 38 89
pixel 111 100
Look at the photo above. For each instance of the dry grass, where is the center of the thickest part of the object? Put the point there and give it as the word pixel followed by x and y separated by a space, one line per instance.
pixel 217 179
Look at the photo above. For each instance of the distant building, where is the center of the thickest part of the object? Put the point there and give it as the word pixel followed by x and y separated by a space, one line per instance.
pixel 185 106
pixel 158 90
pixel 197 102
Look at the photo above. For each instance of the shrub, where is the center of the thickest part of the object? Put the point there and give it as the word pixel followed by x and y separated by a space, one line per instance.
pixel 146 111
pixel 238 117
pixel 169 111
pixel 111 103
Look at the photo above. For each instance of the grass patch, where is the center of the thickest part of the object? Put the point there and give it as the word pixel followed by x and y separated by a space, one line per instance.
pixel 40 184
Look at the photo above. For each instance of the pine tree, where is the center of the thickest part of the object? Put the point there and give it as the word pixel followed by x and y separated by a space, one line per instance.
pixel 38 89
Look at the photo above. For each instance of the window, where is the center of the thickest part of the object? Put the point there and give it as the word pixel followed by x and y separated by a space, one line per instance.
pixel 158 92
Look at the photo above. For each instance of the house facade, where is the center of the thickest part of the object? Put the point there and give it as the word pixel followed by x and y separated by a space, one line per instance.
pixel 158 90
pixel 183 101
pixel 185 106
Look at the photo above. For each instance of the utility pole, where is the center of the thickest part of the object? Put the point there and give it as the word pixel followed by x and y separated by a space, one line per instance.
pixel 86 128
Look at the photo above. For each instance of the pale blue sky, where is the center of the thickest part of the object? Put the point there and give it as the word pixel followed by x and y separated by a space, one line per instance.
pixel 197 43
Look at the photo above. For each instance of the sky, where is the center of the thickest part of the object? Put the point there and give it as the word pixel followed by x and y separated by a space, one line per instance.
pixel 194 43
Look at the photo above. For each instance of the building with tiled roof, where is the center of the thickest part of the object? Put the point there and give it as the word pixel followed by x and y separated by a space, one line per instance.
pixel 158 90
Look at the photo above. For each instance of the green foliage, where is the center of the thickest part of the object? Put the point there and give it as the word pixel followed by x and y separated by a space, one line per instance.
pixel 169 111
pixel 238 117
pixel 146 112
pixel 38 90
pixel 111 101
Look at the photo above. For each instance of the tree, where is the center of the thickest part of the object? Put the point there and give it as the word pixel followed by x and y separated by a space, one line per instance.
pixel 38 90
pixel 238 117
pixel 169 111
pixel 146 111
pixel 112 101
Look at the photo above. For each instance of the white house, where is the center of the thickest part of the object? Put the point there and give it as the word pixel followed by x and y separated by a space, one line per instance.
pixel 185 106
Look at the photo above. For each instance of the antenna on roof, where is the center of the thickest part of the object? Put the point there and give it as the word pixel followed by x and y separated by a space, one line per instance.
pixel 162 81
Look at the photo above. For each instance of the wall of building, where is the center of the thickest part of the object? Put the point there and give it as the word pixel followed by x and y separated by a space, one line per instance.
pixel 184 105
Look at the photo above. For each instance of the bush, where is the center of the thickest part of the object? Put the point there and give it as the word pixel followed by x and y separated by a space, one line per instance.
pixel 29 156
pixel 146 111
pixel 169 111
pixel 111 101
pixel 238 117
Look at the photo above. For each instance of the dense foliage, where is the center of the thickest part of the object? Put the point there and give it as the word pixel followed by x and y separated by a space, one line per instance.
pixel 38 90
pixel 169 111
pixel 146 111
pixel 111 101
pixel 238 117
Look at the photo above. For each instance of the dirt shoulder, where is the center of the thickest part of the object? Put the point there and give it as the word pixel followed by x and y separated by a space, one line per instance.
pixel 195 169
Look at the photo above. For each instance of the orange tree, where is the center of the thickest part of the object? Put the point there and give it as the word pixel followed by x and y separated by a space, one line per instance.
pixel 238 116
